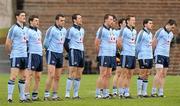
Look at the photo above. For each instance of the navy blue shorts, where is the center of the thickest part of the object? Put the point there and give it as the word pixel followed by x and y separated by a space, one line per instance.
pixel 128 62
pixel 164 60
pixel 76 58
pixel 19 62
pixel 108 61
pixel 35 62
pixel 54 58
pixel 145 63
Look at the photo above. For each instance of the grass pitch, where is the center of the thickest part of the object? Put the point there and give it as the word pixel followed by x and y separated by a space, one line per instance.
pixel 87 93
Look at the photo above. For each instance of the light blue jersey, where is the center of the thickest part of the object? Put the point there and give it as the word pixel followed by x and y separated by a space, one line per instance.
pixel 18 36
pixel 75 34
pixel 108 40
pixel 54 39
pixel 163 42
pixel 116 32
pixel 128 41
pixel 34 41
pixel 144 44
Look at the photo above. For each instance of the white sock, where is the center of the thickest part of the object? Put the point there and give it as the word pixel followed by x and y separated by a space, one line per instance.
pixel 145 84
pixel 160 92
pixel 121 91
pixel 98 92
pixel 68 86
pixel 107 92
pixel 21 86
pixel 34 95
pixel 103 92
pixel 10 88
pixel 153 90
pixel 76 87
pixel 27 95
pixel 126 92
pixel 139 86
pixel 114 90
pixel 46 94
pixel 54 95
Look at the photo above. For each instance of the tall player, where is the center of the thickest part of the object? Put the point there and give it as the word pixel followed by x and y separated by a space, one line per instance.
pixel 16 45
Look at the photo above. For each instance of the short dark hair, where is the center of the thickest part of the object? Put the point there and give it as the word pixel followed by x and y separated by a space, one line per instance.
pixel 31 18
pixel 114 17
pixel 145 21
pixel 128 18
pixel 18 12
pixel 121 21
pixel 59 15
pixel 171 22
pixel 106 16
pixel 74 17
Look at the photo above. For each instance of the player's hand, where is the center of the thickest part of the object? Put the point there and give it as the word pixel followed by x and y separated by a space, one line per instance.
pixel 117 59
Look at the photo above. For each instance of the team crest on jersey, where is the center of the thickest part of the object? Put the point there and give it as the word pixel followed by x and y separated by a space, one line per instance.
pixel 53 61
pixel 61 41
pixel 112 39
pixel 132 40
pixel 32 67
pixel 18 65
pixel 81 39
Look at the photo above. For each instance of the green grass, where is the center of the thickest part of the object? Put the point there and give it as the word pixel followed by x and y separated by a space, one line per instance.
pixel 3 32
pixel 87 92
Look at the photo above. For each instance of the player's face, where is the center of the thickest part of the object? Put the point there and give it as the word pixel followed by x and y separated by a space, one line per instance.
pixel 21 18
pixel 149 25
pixel 172 27
pixel 35 22
pixel 123 24
pixel 110 21
pixel 61 21
pixel 78 21
pixel 132 21
pixel 115 24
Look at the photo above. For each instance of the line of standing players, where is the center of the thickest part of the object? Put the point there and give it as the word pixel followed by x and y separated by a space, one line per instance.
pixel 119 42
pixel 24 44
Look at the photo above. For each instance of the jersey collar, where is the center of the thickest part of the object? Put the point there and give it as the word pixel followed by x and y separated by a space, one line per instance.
pixel 106 27
pixel 77 26
pixel 146 30
pixel 19 25
pixel 130 27
pixel 58 27
pixel 33 28
pixel 166 30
